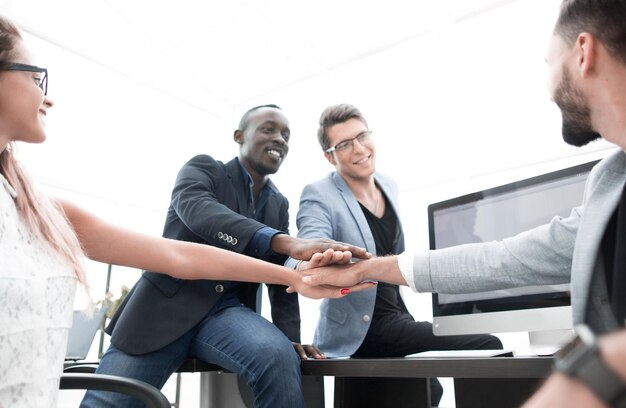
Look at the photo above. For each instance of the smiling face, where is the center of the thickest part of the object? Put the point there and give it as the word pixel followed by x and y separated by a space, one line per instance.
pixel 264 142
pixel 23 104
pixel 357 162
pixel 577 128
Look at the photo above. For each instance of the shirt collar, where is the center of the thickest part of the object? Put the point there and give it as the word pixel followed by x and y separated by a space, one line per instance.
pixel 248 178
pixel 268 190
pixel 245 174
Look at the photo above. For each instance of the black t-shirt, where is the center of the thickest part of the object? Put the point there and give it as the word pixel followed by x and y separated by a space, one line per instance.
pixel 614 253
pixel 388 300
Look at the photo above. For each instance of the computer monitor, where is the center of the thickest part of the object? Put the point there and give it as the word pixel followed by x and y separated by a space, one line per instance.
pixel 495 214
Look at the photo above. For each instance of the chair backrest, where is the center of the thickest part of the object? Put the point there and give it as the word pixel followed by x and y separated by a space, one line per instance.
pixel 144 392
pixel 82 333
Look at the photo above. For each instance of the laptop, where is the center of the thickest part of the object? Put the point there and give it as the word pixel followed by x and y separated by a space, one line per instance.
pixel 82 333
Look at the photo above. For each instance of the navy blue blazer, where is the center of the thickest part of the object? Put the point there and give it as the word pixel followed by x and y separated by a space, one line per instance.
pixel 209 205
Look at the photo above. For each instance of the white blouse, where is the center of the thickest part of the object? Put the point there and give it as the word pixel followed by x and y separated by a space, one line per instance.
pixel 37 288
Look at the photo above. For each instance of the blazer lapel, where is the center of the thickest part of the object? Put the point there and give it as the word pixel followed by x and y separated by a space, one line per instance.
pixel 356 211
pixel 233 172
pixel 272 207
pixel 597 212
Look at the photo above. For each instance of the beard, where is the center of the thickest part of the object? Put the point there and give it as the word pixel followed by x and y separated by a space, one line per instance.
pixel 264 167
pixel 576 129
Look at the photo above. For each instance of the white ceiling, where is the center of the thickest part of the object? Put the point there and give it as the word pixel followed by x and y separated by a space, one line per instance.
pixel 218 54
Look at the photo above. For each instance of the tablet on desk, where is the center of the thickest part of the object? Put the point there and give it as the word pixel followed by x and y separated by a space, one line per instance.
pixel 463 353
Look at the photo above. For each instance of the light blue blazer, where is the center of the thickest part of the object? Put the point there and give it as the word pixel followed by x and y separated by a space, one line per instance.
pixel 566 249
pixel 328 209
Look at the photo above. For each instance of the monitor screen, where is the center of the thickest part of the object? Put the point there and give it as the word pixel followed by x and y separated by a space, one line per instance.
pixel 495 214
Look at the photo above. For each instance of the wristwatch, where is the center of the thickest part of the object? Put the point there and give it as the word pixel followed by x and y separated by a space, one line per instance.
pixel 581 359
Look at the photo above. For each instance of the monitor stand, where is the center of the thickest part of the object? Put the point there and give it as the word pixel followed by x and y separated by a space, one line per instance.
pixel 547 342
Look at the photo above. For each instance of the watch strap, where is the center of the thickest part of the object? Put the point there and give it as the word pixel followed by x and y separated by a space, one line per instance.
pixel 581 359
pixel 603 381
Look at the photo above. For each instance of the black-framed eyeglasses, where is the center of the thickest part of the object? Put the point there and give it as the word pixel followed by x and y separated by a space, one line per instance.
pixel 42 79
pixel 344 145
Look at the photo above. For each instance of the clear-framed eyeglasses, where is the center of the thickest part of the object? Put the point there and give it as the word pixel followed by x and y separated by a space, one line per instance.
pixel 347 144
pixel 41 79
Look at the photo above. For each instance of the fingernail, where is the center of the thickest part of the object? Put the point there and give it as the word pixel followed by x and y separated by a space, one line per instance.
pixel 373 283
pixel 345 291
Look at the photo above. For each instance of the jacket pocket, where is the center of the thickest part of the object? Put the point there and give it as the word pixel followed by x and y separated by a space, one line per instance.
pixel 166 284
pixel 336 315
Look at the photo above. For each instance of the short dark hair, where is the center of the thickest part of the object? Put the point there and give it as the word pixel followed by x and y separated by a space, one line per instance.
pixel 333 115
pixel 604 19
pixel 243 122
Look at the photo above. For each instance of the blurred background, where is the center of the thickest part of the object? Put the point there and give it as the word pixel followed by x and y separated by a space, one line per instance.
pixel 454 90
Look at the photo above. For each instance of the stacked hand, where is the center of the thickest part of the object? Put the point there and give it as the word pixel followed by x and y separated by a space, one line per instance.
pixel 324 265
pixel 304 249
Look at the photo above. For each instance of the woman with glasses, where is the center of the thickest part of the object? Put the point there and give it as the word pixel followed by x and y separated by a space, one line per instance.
pixel 43 242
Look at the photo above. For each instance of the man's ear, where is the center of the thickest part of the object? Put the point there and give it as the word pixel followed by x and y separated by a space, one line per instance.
pixel 585 53
pixel 238 136
pixel 331 158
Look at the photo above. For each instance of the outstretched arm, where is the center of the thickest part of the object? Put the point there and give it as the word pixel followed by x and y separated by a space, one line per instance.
pixel 108 243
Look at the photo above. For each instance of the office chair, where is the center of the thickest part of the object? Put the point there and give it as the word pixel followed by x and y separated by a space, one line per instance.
pixel 80 339
pixel 144 392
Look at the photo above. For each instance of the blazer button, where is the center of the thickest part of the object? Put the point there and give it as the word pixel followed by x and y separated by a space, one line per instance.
pixel 235 241
pixel 366 318
pixel 220 235
pixel 219 288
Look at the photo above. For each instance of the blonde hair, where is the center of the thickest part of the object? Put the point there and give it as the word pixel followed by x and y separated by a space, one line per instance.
pixel 44 217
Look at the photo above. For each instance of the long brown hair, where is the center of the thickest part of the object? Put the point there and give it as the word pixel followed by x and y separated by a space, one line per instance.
pixel 42 215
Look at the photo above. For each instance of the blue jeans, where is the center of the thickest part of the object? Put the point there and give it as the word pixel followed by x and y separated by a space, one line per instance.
pixel 235 338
